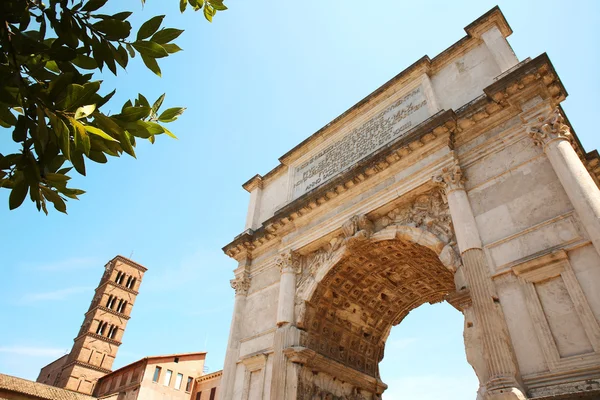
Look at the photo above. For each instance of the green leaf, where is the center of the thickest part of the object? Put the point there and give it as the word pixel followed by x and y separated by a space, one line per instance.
pixel 122 16
pixel 130 114
pixel 105 99
pixel 182 5
pixel 84 62
pixel 143 101
pixel 72 93
pixel 63 134
pixel 121 56
pixel 171 114
pixel 57 177
pixel 217 5
pixel 100 132
pixel 209 12
pixel 82 139
pixel 109 125
pixel 166 35
pixel 168 132
pixel 17 194
pixel 78 162
pixel 158 103
pixel 171 48
pixel 151 64
pixel 149 27
pixel 93 5
pixel 150 49
pixel 113 28
pixel 97 156
pixel 84 111
pixel 54 198
pixel 130 50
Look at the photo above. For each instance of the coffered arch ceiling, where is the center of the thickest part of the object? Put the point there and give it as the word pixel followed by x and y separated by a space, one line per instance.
pixel 369 290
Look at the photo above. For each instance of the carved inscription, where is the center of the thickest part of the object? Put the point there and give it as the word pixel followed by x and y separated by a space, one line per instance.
pixel 404 114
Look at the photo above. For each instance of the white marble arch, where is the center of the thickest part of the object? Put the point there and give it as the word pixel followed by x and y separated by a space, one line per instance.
pixel 412 234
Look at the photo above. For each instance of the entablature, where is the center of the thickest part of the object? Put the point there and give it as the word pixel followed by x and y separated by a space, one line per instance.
pixel 504 97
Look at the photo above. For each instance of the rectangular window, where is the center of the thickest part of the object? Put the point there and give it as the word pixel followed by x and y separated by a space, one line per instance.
pixel 178 380
pixel 198 395
pixel 188 385
pixel 213 391
pixel 168 377
pixel 156 374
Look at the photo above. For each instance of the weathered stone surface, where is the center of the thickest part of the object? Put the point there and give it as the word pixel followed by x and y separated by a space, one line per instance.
pixel 458 180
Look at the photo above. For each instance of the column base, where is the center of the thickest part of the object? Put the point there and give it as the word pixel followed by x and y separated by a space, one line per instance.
pixel 505 394
pixel 503 388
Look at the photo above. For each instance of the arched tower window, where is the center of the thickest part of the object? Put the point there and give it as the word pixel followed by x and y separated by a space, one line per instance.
pixel 122 305
pixel 118 277
pixel 101 328
pixel 110 298
pixel 131 284
pixel 113 333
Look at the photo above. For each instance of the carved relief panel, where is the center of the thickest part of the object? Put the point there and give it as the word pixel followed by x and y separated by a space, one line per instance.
pixel 563 320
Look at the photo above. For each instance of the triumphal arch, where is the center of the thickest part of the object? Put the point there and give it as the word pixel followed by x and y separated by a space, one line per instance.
pixel 459 180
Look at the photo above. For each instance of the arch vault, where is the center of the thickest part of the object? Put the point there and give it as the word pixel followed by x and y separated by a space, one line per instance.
pixel 459 180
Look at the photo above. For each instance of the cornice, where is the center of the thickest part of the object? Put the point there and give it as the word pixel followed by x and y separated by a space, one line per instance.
pixel 253 183
pixel 130 263
pixel 89 366
pixel 210 376
pixel 494 17
pixel 425 65
pixel 99 337
pixel 537 74
pixel 118 314
pixel 115 284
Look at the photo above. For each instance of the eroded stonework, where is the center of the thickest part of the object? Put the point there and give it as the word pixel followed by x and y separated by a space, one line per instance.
pixel 367 292
pixel 489 203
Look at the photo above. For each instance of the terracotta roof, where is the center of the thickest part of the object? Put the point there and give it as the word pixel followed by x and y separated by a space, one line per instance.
pixel 39 390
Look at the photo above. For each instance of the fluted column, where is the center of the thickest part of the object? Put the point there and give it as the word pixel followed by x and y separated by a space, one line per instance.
pixel 240 284
pixel 497 349
pixel 286 334
pixel 288 267
pixel 555 137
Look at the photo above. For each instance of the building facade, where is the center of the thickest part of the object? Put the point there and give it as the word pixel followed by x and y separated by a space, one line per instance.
pixel 459 180
pixel 96 345
pixel 207 386
pixel 170 377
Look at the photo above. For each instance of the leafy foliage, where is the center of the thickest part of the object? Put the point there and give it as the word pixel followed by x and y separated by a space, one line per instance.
pixel 52 105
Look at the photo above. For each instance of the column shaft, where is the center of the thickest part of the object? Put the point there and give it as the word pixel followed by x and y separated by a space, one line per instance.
pixel 287 292
pixel 497 348
pixel 241 286
pixel 578 184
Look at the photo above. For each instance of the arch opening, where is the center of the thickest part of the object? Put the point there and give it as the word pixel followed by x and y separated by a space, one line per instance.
pixel 371 288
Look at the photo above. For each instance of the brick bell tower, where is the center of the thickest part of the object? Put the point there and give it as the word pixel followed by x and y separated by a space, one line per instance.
pixel 100 336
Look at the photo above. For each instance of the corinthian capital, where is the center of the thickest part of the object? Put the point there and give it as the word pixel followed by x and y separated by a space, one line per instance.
pixel 288 262
pixel 451 178
pixel 241 284
pixel 549 128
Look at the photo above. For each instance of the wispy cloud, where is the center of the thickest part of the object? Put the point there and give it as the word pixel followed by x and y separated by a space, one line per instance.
pixel 69 264
pixel 31 351
pixel 54 295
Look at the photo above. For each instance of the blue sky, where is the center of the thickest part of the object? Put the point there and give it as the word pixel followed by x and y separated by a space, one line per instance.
pixel 260 79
